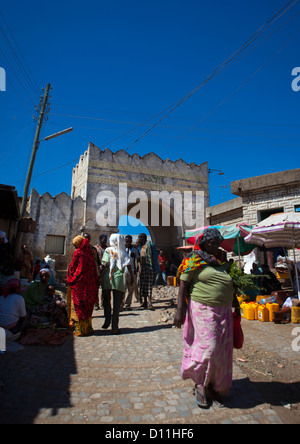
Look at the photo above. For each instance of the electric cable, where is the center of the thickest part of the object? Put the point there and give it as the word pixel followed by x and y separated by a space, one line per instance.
pixel 222 66
pixel 28 77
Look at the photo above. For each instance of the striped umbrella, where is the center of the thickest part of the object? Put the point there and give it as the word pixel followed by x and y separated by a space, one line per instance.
pixel 233 237
pixel 278 230
pixel 191 235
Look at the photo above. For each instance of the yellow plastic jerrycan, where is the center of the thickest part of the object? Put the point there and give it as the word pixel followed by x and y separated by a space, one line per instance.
pixel 249 312
pixel 272 308
pixel 243 305
pixel 255 306
pixel 260 297
pixel 242 298
pixel 296 315
pixel 263 313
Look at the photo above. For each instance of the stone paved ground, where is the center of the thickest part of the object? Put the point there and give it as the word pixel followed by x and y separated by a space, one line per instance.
pixel 133 378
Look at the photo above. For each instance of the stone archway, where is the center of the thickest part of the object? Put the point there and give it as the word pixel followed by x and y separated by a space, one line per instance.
pixel 115 184
pixel 166 237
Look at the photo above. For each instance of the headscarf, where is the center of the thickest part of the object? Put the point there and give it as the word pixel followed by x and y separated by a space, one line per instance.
pixel 199 258
pixel 77 241
pixel 47 270
pixel 117 253
pixel 11 283
pixel 208 234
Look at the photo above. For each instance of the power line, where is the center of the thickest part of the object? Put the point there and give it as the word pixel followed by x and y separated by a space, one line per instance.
pixel 17 77
pixel 219 69
pixel 213 130
pixel 234 92
pixel 25 70
pixel 223 65
pixel 29 85
pixel 232 59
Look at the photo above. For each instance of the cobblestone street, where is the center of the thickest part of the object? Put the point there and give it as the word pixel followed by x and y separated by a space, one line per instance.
pixel 132 378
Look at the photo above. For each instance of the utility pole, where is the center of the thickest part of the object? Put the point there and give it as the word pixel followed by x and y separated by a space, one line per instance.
pixel 34 150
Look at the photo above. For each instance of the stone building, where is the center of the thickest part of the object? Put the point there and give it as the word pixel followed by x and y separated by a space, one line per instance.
pixel 259 197
pixel 59 220
pixel 168 197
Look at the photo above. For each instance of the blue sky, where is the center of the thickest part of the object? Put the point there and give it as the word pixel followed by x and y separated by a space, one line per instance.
pixel 113 65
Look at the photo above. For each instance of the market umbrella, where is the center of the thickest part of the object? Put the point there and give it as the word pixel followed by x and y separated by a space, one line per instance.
pixel 233 237
pixel 278 230
pixel 191 235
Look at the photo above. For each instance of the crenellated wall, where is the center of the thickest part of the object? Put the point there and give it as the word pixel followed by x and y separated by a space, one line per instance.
pixel 123 176
pixel 59 216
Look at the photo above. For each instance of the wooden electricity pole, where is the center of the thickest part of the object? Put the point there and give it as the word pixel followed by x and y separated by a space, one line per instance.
pixel 34 150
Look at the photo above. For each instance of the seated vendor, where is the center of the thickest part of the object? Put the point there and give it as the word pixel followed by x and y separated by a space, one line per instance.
pixel 35 295
pixel 42 302
pixel 12 310
pixel 51 279
pixel 283 316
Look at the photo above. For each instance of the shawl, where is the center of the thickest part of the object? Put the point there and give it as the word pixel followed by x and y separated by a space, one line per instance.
pixel 149 252
pixel 83 280
pixel 118 256
pixel 35 294
pixel 146 251
pixel 77 241
pixel 200 258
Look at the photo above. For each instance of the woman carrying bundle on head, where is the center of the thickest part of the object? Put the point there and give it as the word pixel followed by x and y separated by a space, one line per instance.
pixel 205 308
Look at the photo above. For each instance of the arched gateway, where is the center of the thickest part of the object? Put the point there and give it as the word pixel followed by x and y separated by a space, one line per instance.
pixel 168 197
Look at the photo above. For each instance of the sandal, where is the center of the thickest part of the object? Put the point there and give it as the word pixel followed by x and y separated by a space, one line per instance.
pixel 218 400
pixel 200 398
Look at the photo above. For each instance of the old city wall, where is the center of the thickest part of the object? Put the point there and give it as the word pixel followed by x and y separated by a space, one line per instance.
pixel 99 172
pixel 56 216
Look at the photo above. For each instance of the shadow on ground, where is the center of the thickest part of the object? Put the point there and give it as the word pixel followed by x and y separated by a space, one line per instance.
pixel 34 379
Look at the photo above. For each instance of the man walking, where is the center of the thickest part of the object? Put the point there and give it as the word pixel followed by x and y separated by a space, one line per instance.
pixel 149 268
pixel 130 286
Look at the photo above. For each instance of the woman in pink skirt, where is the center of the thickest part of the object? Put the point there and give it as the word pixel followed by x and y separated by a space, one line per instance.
pixel 205 301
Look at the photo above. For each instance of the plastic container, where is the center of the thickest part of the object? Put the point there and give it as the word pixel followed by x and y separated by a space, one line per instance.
pixel 272 308
pixel 242 298
pixel 242 307
pixel 263 313
pixel 260 297
pixel 170 281
pixel 249 312
pixel 255 306
pixel 282 275
pixel 267 300
pixel 296 315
